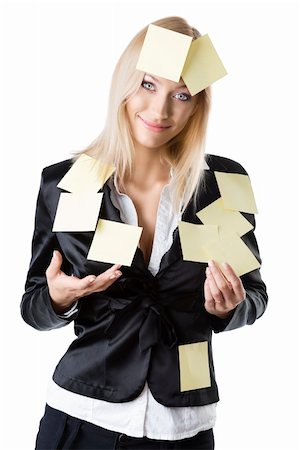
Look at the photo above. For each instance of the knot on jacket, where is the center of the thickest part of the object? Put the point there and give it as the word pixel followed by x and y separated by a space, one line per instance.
pixel 142 297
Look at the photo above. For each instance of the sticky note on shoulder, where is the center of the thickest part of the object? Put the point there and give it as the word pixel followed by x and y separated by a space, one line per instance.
pixel 164 52
pixel 114 242
pixel 203 65
pixel 236 191
pixel 87 174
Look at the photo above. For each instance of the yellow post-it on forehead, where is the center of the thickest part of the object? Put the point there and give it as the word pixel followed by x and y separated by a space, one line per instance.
pixel 194 366
pixel 114 242
pixel 87 174
pixel 232 249
pixel 227 219
pixel 77 213
pixel 164 53
pixel 236 191
pixel 203 65
pixel 192 239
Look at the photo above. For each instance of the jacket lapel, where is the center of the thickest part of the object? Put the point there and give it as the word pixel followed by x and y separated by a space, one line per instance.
pixel 208 193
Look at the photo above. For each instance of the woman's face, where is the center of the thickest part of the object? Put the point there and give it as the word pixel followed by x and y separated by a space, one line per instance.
pixel 159 111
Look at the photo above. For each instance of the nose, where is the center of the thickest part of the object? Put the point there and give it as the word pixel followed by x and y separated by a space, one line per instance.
pixel 160 107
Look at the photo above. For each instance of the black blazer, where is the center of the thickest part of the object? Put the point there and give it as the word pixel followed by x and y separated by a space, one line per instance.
pixel 131 331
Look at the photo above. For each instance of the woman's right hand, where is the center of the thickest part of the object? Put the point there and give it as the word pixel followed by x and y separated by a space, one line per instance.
pixel 65 290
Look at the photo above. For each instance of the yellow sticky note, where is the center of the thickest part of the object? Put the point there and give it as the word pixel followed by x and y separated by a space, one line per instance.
pixel 77 212
pixel 194 366
pixel 114 242
pixel 164 52
pixel 232 249
pixel 227 219
pixel 203 65
pixel 192 239
pixel 86 175
pixel 236 191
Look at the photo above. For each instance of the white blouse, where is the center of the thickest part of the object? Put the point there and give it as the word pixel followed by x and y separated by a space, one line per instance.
pixel 143 416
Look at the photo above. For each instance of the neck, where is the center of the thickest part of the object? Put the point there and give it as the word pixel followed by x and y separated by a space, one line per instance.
pixel 148 169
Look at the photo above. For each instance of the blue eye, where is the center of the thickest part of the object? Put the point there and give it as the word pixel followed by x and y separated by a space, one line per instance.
pixel 148 85
pixel 182 97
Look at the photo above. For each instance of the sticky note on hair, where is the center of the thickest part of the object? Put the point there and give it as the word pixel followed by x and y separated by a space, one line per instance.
pixel 203 65
pixel 192 239
pixel 76 213
pixel 232 249
pixel 236 191
pixel 194 366
pixel 87 174
pixel 164 52
pixel 114 242
pixel 227 219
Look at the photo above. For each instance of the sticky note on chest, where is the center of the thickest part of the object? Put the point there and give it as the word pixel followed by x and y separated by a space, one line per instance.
pixel 76 213
pixel 228 220
pixel 114 242
pixel 192 239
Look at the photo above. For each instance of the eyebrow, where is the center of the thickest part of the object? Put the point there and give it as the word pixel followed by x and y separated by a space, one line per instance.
pixel 155 79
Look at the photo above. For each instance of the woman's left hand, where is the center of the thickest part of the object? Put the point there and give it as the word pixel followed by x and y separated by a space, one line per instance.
pixel 222 292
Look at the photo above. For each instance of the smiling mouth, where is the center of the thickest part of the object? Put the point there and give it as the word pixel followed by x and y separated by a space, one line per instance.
pixel 154 126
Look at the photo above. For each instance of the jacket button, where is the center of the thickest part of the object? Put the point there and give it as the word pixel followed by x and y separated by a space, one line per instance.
pixel 120 437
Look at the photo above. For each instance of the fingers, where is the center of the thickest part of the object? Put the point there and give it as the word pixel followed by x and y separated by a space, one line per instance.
pixel 234 280
pixel 55 264
pixel 105 279
pixel 222 292
pixel 209 301
pixel 221 289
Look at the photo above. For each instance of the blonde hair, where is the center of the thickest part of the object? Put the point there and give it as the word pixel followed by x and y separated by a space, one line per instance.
pixel 184 153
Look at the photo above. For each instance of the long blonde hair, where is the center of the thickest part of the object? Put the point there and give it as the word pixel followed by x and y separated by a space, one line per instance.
pixel 184 153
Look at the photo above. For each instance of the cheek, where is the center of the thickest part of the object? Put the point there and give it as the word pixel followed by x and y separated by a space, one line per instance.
pixel 183 118
pixel 135 104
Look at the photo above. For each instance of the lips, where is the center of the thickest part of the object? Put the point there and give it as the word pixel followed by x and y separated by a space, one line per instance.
pixel 153 125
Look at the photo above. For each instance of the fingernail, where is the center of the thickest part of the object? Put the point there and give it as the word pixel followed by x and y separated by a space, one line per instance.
pixel 210 263
pixel 116 274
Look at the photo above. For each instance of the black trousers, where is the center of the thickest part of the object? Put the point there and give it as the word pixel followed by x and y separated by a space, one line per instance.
pixel 58 430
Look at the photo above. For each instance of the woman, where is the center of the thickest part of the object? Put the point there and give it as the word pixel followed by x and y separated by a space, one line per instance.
pixel 120 384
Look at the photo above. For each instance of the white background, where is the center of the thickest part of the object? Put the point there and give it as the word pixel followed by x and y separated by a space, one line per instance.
pixel 57 59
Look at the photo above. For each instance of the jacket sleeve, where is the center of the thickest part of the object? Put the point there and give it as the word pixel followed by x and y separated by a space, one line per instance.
pixel 256 298
pixel 36 304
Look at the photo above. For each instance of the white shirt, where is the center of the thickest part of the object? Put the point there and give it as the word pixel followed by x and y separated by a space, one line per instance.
pixel 143 416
